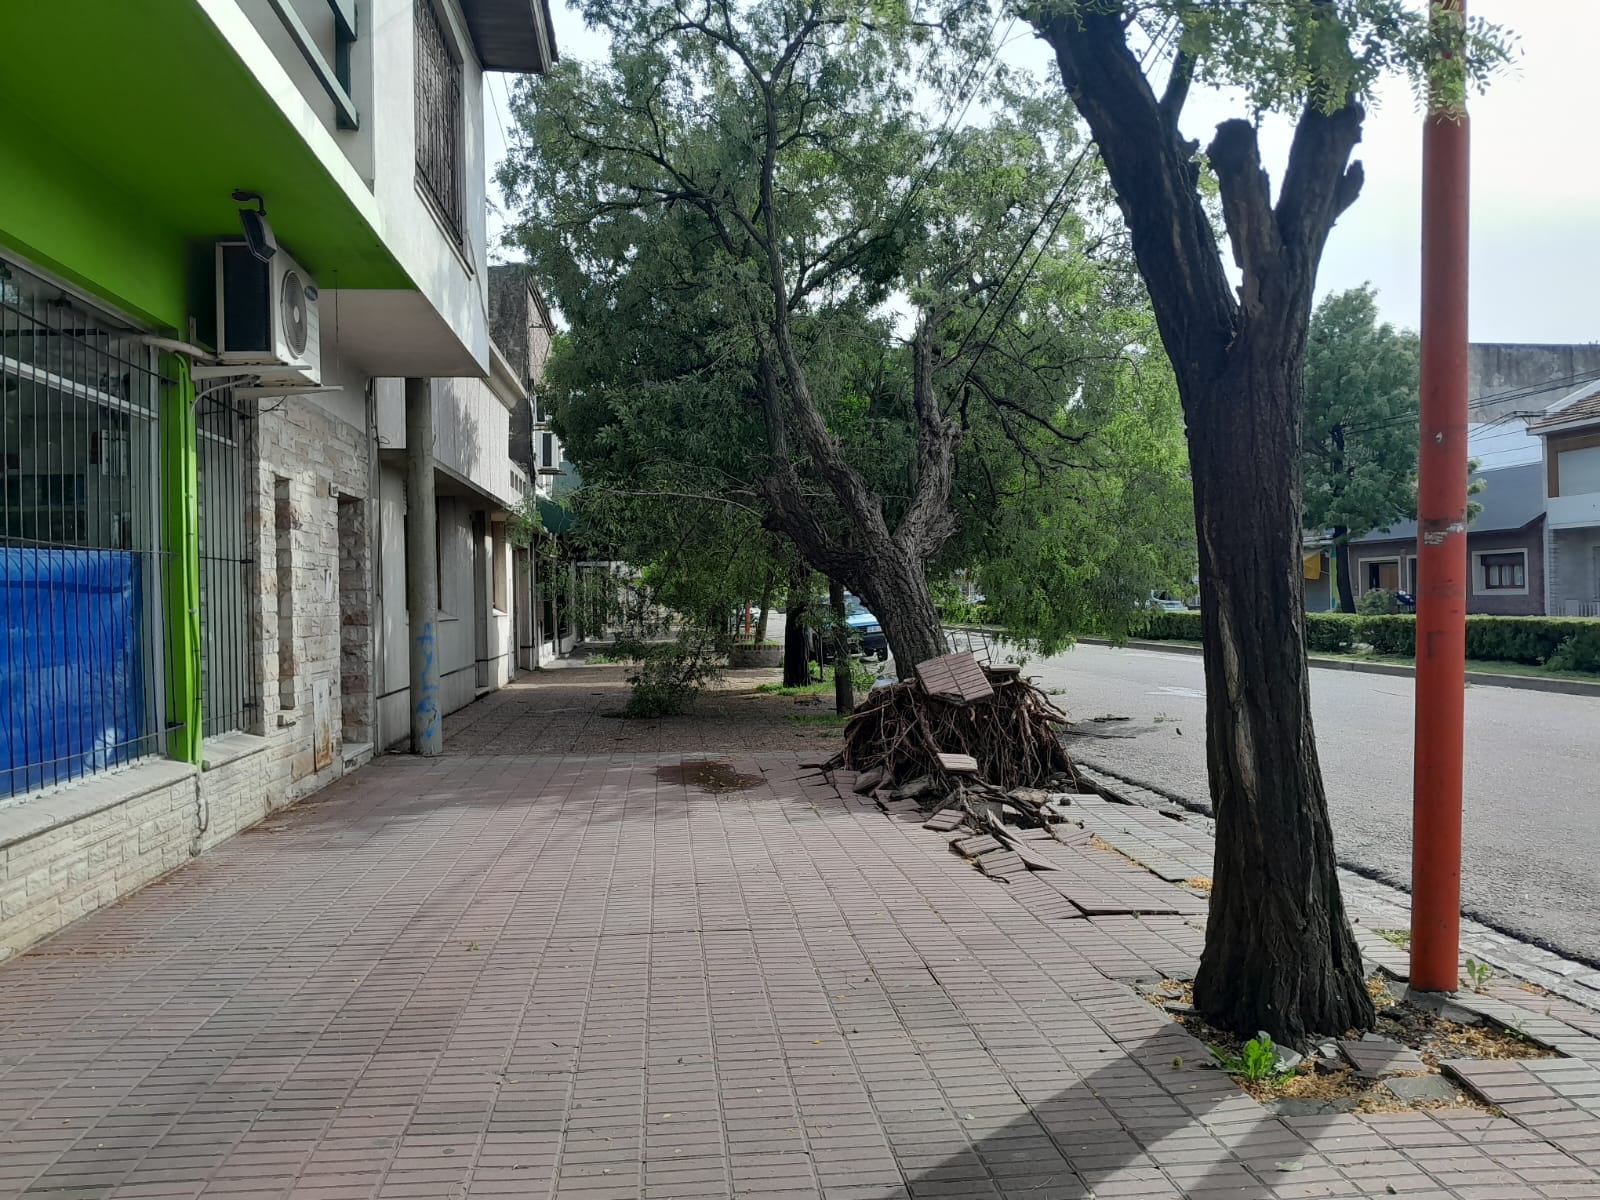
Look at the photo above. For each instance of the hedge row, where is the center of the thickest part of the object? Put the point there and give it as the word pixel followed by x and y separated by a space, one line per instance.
pixel 1571 644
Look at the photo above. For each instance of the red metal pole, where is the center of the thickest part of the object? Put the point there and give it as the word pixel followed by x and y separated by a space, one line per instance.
pixel 1441 552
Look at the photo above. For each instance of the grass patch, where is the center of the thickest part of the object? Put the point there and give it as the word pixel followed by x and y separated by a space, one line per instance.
pixel 820 720
pixel 807 689
pixel 1399 937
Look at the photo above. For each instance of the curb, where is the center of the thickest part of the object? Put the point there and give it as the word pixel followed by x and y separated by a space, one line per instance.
pixel 1526 683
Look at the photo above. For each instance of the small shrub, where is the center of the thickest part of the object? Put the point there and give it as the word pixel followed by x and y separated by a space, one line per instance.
pixel 671 674
pixel 1377 602
pixel 1390 634
pixel 1332 633
pixel 1172 627
pixel 1531 640
pixel 1578 652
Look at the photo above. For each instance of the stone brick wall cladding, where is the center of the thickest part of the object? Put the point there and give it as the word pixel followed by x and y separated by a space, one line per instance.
pixel 326 465
pixel 139 824
pixel 355 620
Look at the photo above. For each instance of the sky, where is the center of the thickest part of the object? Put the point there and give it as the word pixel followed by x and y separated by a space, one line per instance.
pixel 1535 259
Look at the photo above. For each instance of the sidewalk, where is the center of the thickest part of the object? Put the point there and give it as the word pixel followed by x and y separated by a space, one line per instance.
pixel 578 973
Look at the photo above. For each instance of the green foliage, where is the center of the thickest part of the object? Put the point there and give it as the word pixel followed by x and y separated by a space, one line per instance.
pixel 1074 538
pixel 672 674
pixel 1259 1060
pixel 1390 634
pixel 1359 460
pixel 1284 56
pixel 1578 652
pixel 1478 974
pixel 525 524
pixel 1376 602
pixel 639 207
pixel 1332 633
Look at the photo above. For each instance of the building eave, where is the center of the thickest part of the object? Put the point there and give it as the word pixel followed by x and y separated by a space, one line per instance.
pixel 503 381
pixel 512 35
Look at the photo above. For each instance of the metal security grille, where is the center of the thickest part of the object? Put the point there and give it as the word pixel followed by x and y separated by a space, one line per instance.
pixel 438 116
pixel 82 569
pixel 227 688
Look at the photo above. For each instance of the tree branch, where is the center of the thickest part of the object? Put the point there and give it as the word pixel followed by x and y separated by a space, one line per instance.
pixel 1246 206
pixel 1152 170
pixel 1177 90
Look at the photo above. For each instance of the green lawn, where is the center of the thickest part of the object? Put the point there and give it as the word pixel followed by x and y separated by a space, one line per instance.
pixel 1488 666
pixel 810 689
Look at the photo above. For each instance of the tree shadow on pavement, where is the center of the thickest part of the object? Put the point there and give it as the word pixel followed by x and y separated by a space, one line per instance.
pixel 1153 1121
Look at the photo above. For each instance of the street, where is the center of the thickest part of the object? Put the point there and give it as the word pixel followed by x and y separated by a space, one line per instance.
pixel 1532 820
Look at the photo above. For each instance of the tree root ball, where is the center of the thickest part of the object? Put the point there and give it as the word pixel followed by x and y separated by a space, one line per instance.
pixel 1015 735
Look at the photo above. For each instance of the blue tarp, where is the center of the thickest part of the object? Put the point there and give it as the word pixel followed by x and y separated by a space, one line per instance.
pixel 71 691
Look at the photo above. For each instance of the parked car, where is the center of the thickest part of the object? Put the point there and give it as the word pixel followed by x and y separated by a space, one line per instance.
pixel 1166 604
pixel 866 634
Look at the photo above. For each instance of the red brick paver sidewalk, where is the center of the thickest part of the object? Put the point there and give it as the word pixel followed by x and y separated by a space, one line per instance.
pixel 566 976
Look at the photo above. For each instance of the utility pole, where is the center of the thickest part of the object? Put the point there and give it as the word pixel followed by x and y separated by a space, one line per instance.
pixel 422 571
pixel 1441 541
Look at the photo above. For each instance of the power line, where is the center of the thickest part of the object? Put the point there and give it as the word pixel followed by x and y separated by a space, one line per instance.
pixel 1486 401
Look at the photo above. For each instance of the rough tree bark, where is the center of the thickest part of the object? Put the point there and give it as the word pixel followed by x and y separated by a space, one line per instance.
pixel 844 698
pixel 796 659
pixel 884 566
pixel 1341 570
pixel 1279 952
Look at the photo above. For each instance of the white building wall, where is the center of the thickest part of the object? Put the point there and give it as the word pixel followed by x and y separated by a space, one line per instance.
pixel 451 276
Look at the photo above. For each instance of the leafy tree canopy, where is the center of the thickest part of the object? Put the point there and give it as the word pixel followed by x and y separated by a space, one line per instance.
pixel 742 186
pixel 1361 418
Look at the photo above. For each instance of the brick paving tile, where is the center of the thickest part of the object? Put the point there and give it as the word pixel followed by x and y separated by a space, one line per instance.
pixel 537 968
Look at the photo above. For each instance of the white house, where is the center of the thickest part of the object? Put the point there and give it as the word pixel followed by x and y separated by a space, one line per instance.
pixel 1570 430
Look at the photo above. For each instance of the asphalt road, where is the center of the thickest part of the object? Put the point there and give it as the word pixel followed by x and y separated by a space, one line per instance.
pixel 1531 860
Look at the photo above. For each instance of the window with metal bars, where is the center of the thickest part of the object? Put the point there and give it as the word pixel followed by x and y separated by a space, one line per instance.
pixel 227 686
pixel 83 569
pixel 438 71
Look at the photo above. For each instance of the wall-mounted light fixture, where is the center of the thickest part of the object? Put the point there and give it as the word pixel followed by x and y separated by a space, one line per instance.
pixel 257 233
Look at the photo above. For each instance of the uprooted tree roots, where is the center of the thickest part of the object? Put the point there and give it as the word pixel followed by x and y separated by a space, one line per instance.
pixel 1014 735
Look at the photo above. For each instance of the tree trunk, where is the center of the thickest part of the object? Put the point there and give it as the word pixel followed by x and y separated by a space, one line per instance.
pixel 844 699
pixel 1341 571
pixel 796 659
pixel 894 586
pixel 766 604
pixel 1279 953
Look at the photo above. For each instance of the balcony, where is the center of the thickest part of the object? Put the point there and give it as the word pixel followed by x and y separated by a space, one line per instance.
pixel 1573 512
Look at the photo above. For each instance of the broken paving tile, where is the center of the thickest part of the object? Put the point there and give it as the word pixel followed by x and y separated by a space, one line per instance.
pixel 945 821
pixel 1001 863
pixel 971 847
pixel 1376 1057
pixel 1422 1089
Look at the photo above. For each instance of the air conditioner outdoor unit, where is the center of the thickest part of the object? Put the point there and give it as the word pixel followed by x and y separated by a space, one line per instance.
pixel 267 317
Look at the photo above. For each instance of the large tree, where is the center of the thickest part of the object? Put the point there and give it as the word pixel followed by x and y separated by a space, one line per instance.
pixel 1360 465
pixel 1279 953
pixel 769 225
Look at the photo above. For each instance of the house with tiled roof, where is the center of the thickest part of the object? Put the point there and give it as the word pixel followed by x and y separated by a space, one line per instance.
pixel 1570 430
